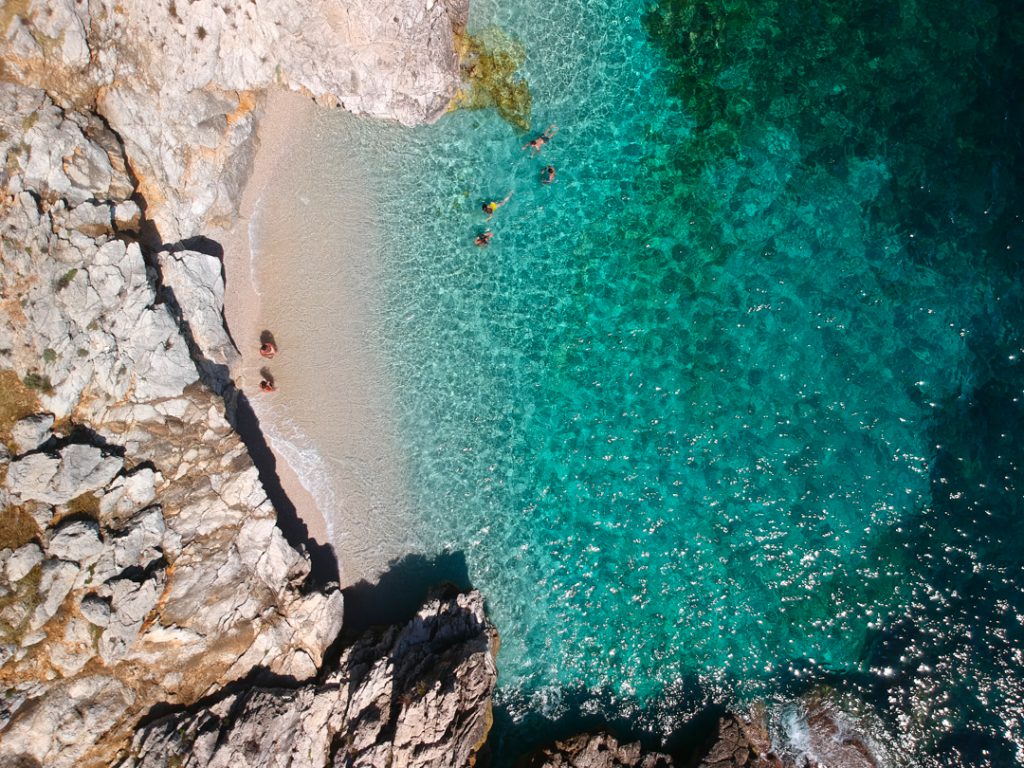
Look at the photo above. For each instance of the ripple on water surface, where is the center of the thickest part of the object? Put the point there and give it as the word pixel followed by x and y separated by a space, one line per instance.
pixel 730 409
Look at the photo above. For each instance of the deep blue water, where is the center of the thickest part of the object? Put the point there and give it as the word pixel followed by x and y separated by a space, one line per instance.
pixel 732 411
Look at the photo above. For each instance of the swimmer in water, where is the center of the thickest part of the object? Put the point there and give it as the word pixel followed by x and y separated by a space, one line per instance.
pixel 483 238
pixel 491 207
pixel 538 143
pixel 547 175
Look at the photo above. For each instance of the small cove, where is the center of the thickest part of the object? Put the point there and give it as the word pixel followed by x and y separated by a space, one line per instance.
pixel 717 417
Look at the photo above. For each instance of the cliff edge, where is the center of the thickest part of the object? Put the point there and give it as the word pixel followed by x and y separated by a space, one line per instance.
pixel 179 80
pixel 140 561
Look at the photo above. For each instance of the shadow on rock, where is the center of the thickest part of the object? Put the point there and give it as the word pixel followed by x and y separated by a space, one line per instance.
pixel 399 592
pixel 322 557
pixel 514 742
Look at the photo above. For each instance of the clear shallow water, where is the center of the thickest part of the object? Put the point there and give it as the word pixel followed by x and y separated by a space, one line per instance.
pixel 732 410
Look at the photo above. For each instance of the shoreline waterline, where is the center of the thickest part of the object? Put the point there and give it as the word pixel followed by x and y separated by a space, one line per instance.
pixel 283 112
pixel 301 264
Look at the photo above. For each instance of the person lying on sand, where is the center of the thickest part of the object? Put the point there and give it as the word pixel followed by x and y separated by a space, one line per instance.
pixel 538 143
pixel 267 381
pixel 483 238
pixel 268 345
pixel 491 207
pixel 547 176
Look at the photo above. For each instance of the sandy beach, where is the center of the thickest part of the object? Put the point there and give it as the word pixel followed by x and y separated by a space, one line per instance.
pixel 300 263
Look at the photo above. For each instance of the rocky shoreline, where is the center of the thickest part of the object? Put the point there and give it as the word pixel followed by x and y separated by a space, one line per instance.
pixel 152 612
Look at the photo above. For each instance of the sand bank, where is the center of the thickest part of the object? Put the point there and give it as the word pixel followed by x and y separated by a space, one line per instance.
pixel 286 113
pixel 302 263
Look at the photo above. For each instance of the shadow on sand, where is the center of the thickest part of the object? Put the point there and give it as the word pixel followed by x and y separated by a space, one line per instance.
pixel 322 557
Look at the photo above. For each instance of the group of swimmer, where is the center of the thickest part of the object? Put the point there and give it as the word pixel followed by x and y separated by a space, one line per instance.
pixel 268 349
pixel 547 176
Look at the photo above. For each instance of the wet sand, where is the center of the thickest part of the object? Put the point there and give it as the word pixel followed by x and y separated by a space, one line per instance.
pixel 301 262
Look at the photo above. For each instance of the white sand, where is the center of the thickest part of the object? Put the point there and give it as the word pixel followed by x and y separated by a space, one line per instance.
pixel 313 283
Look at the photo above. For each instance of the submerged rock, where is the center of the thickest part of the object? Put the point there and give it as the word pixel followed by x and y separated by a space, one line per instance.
pixel 597 750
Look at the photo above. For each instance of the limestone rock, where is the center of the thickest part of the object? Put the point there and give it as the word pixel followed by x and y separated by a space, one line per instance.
pixel 84 307
pixel 127 495
pixel 31 432
pixel 197 287
pixel 22 561
pixel 597 750
pixel 418 696
pixel 77 541
pixel 55 584
pixel 176 80
pixel 77 469
pixel 96 610
pixel 831 738
pixel 61 728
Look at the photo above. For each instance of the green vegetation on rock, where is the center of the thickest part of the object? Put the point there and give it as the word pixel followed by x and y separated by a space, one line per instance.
pixel 490 70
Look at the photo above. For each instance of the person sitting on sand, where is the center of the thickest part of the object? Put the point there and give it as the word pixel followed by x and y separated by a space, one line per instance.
pixel 267 386
pixel 483 238
pixel 538 143
pixel 547 176
pixel 491 207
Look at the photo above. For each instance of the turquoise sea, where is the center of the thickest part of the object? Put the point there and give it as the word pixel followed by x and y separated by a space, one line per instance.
pixel 731 412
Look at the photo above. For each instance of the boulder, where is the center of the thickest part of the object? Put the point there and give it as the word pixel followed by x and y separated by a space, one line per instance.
pixel 22 561
pixel 57 479
pixel 77 541
pixel 54 585
pixel 31 432
pixel 417 696
pixel 596 750
pixel 196 284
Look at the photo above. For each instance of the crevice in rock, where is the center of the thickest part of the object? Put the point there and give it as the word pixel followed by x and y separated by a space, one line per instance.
pixel 322 558
pixel 257 678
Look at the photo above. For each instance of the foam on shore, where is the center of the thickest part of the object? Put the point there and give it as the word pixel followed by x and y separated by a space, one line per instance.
pixel 303 264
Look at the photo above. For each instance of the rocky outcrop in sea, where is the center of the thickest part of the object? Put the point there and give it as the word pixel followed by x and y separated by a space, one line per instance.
pixel 418 696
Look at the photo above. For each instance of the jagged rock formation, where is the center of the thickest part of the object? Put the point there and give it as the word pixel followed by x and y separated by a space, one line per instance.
pixel 415 696
pixel 146 565
pixel 140 562
pixel 597 750
pixel 826 739
pixel 178 79
pixel 739 745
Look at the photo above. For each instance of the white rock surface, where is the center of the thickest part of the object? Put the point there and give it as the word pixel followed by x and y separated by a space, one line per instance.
pixel 197 284
pixel 66 724
pixel 75 470
pixel 22 561
pixel 31 432
pixel 77 541
pixel 176 80
pixel 418 697
pixel 170 575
